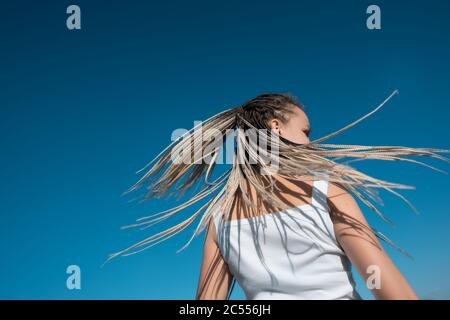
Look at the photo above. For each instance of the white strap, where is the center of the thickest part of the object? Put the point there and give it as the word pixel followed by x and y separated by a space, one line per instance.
pixel 216 218
pixel 319 194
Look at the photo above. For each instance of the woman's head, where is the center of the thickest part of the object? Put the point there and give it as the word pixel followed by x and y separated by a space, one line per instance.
pixel 282 113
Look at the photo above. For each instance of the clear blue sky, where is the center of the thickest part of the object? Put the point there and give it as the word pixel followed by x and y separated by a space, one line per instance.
pixel 81 111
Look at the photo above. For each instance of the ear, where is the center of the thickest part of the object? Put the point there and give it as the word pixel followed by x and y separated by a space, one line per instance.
pixel 275 125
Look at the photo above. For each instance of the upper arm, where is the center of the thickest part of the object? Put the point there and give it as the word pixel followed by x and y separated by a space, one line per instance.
pixel 215 277
pixel 362 246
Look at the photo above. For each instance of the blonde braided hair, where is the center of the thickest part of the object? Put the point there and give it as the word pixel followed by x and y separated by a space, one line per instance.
pixel 304 162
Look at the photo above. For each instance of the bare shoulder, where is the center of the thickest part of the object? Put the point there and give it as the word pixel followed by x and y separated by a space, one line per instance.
pixel 338 194
pixel 351 227
pixel 342 203
pixel 211 236
pixel 215 277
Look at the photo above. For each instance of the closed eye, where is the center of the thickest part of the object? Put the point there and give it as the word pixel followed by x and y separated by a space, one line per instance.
pixel 307 132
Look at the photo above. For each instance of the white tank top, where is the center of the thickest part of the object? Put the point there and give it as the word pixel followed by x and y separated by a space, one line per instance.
pixel 290 254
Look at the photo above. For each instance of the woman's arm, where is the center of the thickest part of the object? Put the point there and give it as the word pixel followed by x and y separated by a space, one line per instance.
pixel 215 277
pixel 362 247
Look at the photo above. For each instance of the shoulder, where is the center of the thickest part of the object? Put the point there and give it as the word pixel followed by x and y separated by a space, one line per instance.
pixel 211 230
pixel 342 203
pixel 337 192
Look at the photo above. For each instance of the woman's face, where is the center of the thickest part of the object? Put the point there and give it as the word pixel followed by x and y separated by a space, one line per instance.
pixel 296 129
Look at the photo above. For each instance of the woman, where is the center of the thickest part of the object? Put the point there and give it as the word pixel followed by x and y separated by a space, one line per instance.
pixel 286 231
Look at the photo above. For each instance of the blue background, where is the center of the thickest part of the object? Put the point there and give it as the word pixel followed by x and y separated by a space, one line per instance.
pixel 82 110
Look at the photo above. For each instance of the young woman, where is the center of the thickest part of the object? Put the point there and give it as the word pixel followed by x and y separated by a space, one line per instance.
pixel 289 231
